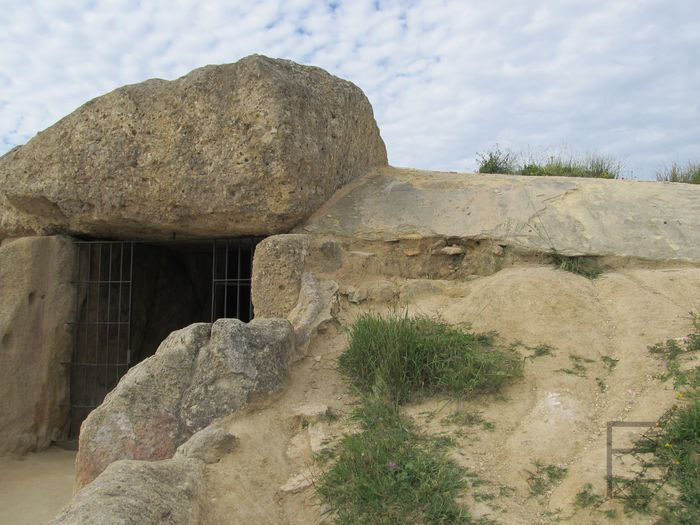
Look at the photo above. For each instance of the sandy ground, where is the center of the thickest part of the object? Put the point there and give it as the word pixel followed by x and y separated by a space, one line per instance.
pixel 35 487
pixel 549 416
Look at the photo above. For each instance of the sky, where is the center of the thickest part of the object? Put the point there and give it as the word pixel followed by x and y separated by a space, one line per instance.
pixel 447 79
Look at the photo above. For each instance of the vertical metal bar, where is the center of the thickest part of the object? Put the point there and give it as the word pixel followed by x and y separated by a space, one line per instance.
pixel 238 284
pixel 213 280
pixel 128 326
pixel 84 358
pixel 109 316
pixel 76 342
pixel 250 285
pixel 119 311
pixel 226 282
pixel 609 458
pixel 98 283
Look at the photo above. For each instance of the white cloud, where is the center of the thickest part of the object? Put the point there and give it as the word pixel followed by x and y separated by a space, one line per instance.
pixel 447 78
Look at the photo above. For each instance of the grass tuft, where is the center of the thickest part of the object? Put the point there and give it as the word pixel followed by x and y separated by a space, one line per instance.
pixel 689 174
pixel 468 419
pixel 585 266
pixel 507 162
pixel 587 498
pixel 419 355
pixel 389 473
pixel 498 161
pixel 544 478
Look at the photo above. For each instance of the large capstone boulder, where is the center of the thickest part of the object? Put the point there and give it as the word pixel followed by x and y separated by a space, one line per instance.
pixel 198 374
pixel 37 302
pixel 252 147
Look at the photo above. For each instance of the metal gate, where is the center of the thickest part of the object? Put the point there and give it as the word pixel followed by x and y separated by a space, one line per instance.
pixel 102 329
pixel 232 263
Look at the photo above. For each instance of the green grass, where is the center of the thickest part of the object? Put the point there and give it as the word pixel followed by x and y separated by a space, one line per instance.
pixel 577 366
pixel 581 265
pixel 689 174
pixel 537 351
pixel 390 474
pixel 418 355
pixel 468 419
pixel 609 361
pixel 674 446
pixel 587 498
pixel 544 478
pixel 497 160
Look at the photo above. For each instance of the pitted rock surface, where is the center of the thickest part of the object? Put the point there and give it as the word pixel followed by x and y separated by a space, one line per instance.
pixel 198 374
pixel 252 147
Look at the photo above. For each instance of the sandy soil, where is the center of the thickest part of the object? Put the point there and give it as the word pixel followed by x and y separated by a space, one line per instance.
pixel 35 487
pixel 549 416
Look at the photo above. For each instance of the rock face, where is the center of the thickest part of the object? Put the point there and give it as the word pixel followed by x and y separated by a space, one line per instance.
pixel 278 266
pixel 198 374
pixel 208 445
pixel 572 216
pixel 315 307
pixel 140 492
pixel 252 147
pixel 37 302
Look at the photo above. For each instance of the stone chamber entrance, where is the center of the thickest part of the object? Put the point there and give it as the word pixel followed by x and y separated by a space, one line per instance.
pixel 130 295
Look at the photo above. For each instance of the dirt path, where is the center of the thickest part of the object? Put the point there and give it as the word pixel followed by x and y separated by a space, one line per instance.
pixel 550 416
pixel 34 488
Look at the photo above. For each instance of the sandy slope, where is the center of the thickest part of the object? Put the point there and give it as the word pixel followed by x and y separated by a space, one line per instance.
pixel 549 416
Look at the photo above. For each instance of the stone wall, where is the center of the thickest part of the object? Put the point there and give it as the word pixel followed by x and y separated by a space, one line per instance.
pixel 37 302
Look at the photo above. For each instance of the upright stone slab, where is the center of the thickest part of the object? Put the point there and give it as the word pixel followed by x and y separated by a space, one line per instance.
pixel 36 304
pixel 252 147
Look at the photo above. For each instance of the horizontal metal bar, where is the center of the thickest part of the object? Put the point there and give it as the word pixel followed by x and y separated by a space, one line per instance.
pixel 83 323
pixel 105 365
pixel 166 242
pixel 103 242
pixel 100 282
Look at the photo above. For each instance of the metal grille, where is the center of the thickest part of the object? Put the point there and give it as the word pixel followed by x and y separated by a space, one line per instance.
pixel 232 263
pixel 102 329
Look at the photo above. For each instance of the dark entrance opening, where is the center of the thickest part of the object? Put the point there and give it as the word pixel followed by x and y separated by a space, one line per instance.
pixel 131 295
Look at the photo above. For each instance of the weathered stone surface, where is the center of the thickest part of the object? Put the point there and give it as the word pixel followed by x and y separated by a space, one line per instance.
pixel 316 301
pixel 198 374
pixel 37 302
pixel 209 445
pixel 252 147
pixel 277 269
pixel 649 220
pixel 240 360
pixel 140 493
pixel 297 483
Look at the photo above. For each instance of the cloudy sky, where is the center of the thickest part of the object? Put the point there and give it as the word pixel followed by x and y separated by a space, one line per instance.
pixel 446 78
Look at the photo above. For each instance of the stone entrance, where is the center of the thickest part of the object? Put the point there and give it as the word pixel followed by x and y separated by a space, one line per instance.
pixel 130 295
